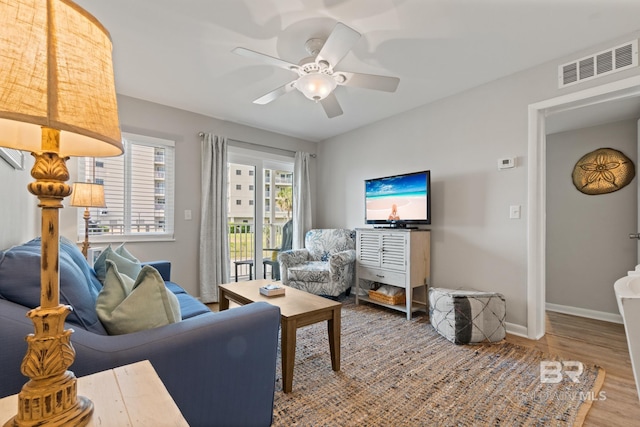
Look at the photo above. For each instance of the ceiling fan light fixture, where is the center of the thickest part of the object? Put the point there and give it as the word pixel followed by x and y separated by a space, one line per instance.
pixel 316 86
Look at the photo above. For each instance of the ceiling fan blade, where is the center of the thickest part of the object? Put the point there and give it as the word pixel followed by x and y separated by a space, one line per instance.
pixel 331 105
pixel 276 93
pixel 338 44
pixel 265 58
pixel 370 81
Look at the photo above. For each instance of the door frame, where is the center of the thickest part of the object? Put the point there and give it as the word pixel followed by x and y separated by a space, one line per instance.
pixel 260 161
pixel 536 185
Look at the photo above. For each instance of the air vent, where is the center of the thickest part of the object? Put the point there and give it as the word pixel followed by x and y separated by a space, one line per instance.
pixel 599 64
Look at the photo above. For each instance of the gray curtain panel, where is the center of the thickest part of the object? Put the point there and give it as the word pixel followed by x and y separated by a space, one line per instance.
pixel 302 220
pixel 214 236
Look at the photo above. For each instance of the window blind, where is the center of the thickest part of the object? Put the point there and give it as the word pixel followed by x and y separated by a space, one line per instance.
pixel 139 190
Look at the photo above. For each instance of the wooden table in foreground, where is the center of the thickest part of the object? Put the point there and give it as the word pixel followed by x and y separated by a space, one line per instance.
pixel 297 309
pixel 131 395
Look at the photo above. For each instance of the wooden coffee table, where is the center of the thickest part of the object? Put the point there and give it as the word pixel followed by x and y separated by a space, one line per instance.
pixel 297 309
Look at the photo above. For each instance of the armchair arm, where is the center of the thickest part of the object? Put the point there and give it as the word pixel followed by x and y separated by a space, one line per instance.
pixel 293 257
pixel 342 267
pixel 340 259
pixel 289 259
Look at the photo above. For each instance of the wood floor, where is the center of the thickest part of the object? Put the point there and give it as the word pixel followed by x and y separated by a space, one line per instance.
pixel 591 342
pixel 599 343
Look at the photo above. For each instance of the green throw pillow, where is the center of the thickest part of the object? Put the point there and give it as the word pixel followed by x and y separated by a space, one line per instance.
pixel 127 263
pixel 125 306
pixel 123 252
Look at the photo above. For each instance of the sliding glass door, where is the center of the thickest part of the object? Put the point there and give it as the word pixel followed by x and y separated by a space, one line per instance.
pixel 260 203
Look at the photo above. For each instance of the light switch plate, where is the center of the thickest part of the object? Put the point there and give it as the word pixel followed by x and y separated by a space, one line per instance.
pixel 514 212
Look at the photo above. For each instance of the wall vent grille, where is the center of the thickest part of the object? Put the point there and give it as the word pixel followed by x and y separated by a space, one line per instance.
pixel 599 64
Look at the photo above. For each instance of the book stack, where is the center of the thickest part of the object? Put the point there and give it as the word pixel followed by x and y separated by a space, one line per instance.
pixel 272 290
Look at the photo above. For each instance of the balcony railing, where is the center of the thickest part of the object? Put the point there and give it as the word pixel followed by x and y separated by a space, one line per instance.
pixel 242 247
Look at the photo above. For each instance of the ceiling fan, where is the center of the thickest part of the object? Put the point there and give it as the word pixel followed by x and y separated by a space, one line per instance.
pixel 317 78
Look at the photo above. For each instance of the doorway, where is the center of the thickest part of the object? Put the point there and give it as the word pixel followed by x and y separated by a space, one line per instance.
pixel 587 244
pixel 260 203
pixel 596 97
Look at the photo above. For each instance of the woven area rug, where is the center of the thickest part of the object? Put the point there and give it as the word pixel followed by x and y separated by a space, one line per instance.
pixel 396 372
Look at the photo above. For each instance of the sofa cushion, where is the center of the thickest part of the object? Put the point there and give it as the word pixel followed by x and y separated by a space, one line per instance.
pixel 174 287
pixel 125 306
pixel 70 248
pixel 310 271
pixel 127 263
pixel 20 282
pixel 190 306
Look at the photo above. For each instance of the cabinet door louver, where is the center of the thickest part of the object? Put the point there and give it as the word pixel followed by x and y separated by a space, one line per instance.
pixel 369 249
pixel 393 251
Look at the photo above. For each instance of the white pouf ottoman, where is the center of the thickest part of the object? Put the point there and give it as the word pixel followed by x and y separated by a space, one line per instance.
pixel 465 317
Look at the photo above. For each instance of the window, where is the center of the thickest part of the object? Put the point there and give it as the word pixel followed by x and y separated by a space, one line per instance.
pixel 238 202
pixel 238 172
pixel 239 187
pixel 139 191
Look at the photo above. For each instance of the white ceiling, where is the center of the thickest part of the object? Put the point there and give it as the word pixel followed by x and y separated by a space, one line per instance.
pixel 178 52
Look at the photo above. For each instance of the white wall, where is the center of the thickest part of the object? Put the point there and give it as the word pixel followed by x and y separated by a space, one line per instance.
pixel 19 214
pixel 460 138
pixel 146 118
pixel 588 247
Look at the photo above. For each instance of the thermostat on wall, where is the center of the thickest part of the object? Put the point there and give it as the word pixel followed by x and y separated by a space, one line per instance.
pixel 506 163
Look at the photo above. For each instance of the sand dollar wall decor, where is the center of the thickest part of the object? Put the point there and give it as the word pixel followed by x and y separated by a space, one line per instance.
pixel 602 171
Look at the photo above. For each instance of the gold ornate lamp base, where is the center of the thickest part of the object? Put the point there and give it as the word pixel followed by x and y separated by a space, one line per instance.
pixel 61 408
pixel 85 244
pixel 50 397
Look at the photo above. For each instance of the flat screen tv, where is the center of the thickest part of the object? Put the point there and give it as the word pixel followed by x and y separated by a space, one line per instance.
pixel 398 200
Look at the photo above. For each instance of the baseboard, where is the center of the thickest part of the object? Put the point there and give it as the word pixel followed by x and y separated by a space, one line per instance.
pixel 584 312
pixel 515 329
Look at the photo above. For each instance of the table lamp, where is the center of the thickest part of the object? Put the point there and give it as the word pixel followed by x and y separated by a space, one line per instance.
pixel 87 195
pixel 57 99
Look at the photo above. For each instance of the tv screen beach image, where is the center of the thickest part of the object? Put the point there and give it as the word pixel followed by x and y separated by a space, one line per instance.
pixel 397 198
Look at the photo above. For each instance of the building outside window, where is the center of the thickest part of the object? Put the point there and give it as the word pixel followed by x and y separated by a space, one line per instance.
pixel 139 191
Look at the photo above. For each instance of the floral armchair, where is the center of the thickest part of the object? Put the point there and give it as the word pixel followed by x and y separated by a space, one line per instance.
pixel 325 266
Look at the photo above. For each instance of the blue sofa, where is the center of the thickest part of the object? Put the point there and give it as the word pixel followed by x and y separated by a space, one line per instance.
pixel 218 367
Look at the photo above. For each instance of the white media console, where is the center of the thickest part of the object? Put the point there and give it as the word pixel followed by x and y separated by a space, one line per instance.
pixel 393 256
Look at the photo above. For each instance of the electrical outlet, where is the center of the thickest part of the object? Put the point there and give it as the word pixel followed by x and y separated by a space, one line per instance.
pixel 187 215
